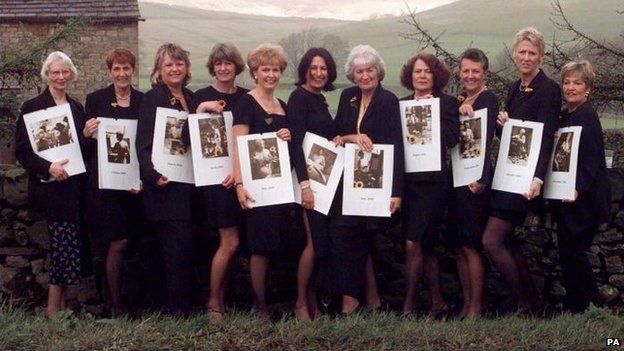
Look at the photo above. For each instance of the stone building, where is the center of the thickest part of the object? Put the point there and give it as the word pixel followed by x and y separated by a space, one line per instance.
pixel 112 23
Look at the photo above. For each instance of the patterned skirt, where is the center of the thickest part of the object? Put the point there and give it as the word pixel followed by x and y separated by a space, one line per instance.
pixel 64 253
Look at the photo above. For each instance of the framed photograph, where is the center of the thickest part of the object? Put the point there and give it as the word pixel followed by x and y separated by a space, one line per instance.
pixel 420 120
pixel 170 156
pixel 118 165
pixel 560 182
pixel 265 168
pixel 468 156
pixel 53 137
pixel 325 162
pixel 367 186
pixel 211 142
pixel 517 157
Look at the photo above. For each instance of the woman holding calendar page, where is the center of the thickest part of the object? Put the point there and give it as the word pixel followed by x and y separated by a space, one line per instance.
pixel 533 97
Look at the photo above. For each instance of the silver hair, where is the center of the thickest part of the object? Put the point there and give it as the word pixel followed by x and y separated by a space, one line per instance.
pixel 533 36
pixel 57 56
pixel 365 55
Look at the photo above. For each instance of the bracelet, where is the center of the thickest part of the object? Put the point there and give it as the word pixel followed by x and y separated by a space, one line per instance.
pixel 304 187
pixel 237 184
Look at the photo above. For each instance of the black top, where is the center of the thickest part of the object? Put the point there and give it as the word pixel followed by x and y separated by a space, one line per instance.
pixel 449 134
pixel 592 181
pixel 171 202
pixel 539 102
pixel 248 111
pixel 59 201
pixel 381 123
pixel 307 112
pixel 488 100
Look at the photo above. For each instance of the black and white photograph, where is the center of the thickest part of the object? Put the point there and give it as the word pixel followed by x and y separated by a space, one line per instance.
pixel 173 136
pixel 368 169
pixel 419 125
pixel 320 163
pixel 52 132
pixel 117 145
pixel 520 146
pixel 563 152
pixel 264 158
pixel 213 137
pixel 470 138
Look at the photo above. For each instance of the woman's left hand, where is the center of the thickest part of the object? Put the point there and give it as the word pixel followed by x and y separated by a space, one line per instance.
pixel 395 204
pixel 466 110
pixel 228 182
pixel 476 187
pixel 307 198
pixel 211 106
pixel 534 190
pixel 136 191
pixel 572 200
pixel 284 134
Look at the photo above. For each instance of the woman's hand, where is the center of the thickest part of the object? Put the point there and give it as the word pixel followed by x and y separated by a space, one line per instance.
pixel 284 134
pixel 211 106
pixel 572 200
pixel 91 127
pixel 162 181
pixel 136 191
pixel 244 198
pixel 395 204
pixel 466 110
pixel 228 182
pixel 534 190
pixel 476 187
pixel 503 117
pixel 364 142
pixel 57 170
pixel 338 140
pixel 307 195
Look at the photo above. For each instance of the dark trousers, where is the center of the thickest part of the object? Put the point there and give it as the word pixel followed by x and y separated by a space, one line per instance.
pixel 177 245
pixel 578 280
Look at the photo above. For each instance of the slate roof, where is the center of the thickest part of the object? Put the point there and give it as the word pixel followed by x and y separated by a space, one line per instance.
pixel 59 10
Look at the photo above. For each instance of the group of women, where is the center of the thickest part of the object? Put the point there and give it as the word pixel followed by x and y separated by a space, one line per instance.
pixel 337 255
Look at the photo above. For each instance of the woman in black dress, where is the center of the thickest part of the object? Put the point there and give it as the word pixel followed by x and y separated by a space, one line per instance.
pixel 259 111
pixel 533 97
pixel 578 218
pixel 426 192
pixel 469 208
pixel 113 216
pixel 50 189
pixel 167 204
pixel 308 111
pixel 218 203
pixel 367 114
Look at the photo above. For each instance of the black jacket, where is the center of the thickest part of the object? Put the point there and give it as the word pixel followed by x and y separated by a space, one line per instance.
pixel 173 201
pixel 59 201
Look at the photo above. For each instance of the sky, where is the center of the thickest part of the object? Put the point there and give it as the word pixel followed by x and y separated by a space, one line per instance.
pixel 340 9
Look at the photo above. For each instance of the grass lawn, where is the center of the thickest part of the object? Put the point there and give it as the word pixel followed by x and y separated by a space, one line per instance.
pixel 20 330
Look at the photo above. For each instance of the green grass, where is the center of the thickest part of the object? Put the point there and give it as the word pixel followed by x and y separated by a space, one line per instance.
pixel 376 331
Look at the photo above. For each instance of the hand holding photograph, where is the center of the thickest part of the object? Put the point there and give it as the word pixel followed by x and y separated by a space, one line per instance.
pixel 420 120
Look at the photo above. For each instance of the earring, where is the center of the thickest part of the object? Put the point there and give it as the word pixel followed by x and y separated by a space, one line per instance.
pixel 586 93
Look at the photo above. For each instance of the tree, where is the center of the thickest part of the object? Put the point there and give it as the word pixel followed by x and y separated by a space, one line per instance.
pixel 296 44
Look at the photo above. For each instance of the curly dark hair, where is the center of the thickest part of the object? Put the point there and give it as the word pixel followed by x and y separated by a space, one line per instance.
pixel 441 73
pixel 306 61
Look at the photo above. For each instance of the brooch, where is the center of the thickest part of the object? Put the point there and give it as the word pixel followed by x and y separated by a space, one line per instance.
pixel 173 100
pixel 114 104
pixel 353 101
pixel 461 98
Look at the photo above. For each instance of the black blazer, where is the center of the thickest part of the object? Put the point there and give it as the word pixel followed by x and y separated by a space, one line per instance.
pixel 173 201
pixel 59 201
pixel 449 134
pixel 592 181
pixel 381 123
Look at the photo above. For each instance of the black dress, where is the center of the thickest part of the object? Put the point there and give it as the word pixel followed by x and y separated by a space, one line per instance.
pixel 215 203
pixel 426 193
pixel 579 220
pixel 352 236
pixel 309 112
pixel 111 214
pixel 539 102
pixel 267 226
pixel 468 212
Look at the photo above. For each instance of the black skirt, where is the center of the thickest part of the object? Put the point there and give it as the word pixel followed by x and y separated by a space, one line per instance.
pixel 423 211
pixel 268 228
pixel 218 206
pixel 468 215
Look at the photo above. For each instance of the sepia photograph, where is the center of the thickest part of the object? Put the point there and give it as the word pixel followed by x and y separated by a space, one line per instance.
pixel 320 163
pixel 563 152
pixel 264 158
pixel 213 137
pixel 470 138
pixel 418 123
pixel 520 146
pixel 368 169
pixel 52 132
pixel 117 145
pixel 173 136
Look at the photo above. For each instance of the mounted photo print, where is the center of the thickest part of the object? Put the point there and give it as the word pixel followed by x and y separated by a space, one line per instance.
pixel 560 182
pixel 118 165
pixel 211 142
pixel 468 156
pixel 170 156
pixel 420 121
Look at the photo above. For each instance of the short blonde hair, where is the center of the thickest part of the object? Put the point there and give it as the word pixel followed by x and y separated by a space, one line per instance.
pixel 365 55
pixel 57 56
pixel 174 51
pixel 266 54
pixel 533 36
pixel 583 68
